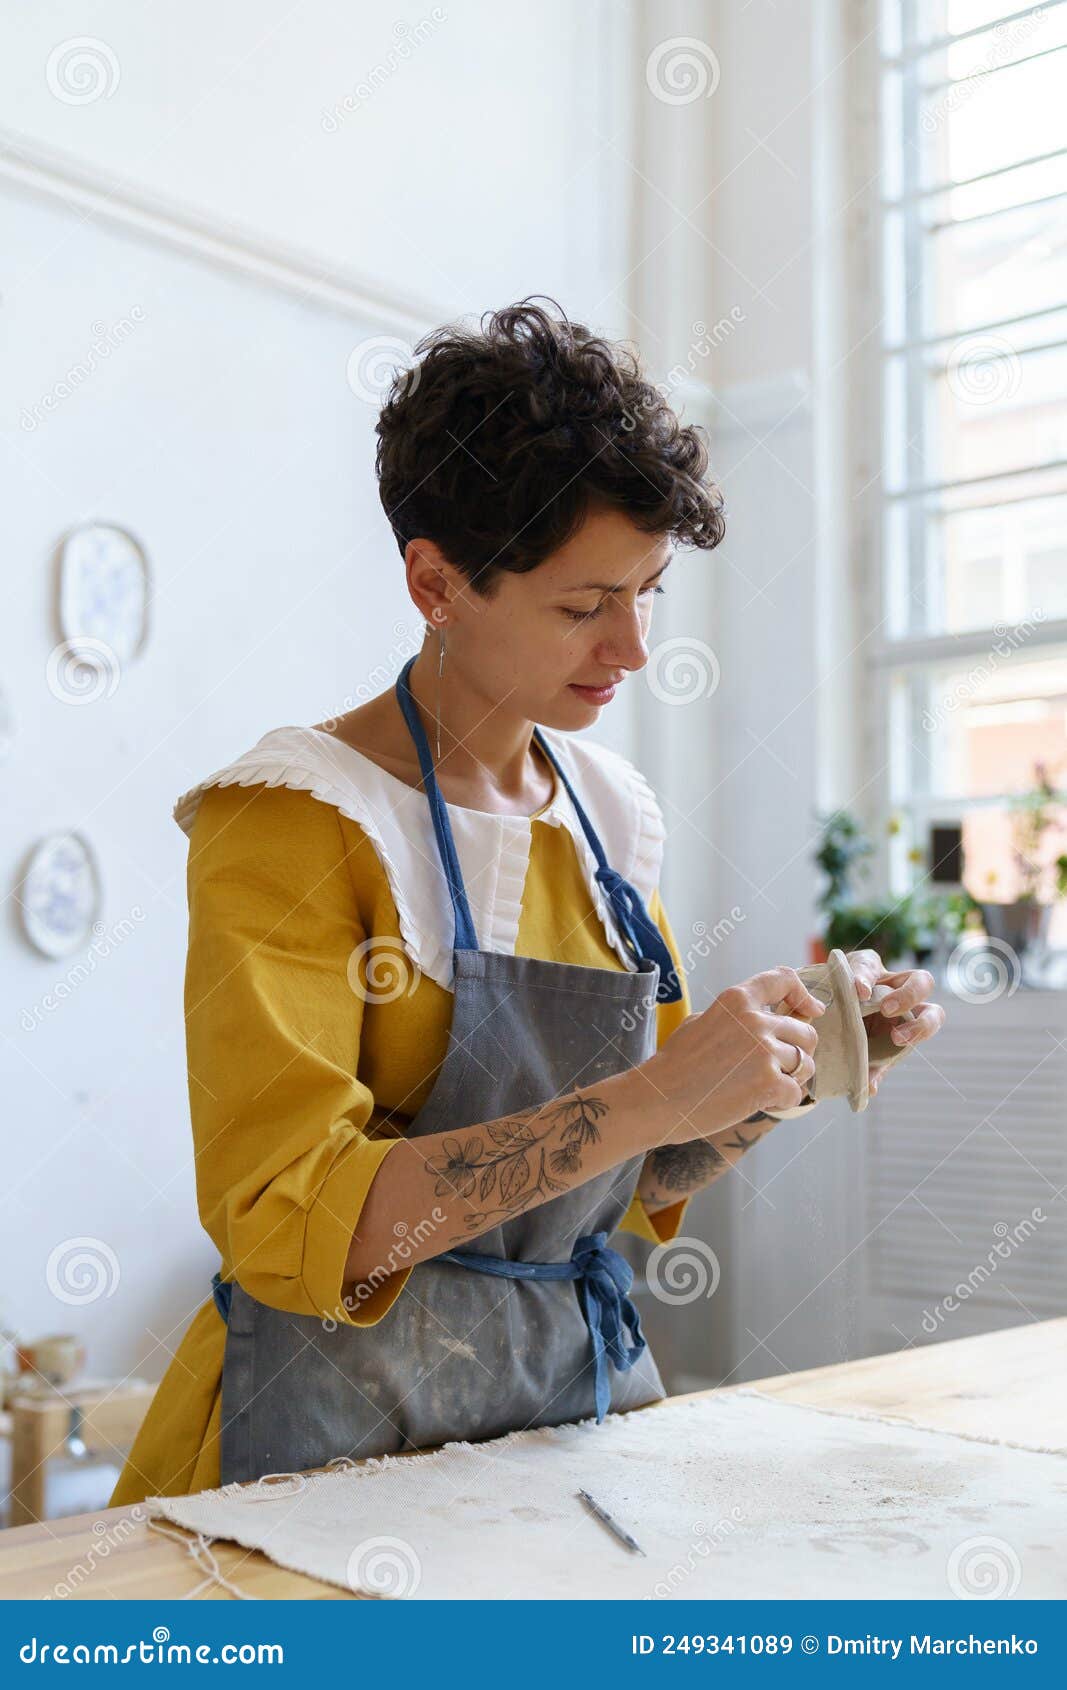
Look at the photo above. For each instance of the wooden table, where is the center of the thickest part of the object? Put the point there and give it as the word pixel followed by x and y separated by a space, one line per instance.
pixel 105 1416
pixel 1007 1385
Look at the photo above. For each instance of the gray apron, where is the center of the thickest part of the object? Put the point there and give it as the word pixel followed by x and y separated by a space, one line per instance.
pixel 523 1326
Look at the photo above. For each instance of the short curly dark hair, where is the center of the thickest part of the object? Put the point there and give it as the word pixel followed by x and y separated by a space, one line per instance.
pixel 496 442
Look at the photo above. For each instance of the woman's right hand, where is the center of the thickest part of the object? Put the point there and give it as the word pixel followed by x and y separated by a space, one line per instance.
pixel 734 1058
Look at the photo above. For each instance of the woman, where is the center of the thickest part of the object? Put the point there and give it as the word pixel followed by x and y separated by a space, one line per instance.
pixel 438 1054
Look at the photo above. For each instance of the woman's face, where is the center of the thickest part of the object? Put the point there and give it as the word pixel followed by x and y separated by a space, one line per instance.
pixel 579 620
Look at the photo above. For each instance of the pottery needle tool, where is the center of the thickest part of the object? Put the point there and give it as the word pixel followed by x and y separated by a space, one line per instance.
pixel 612 1525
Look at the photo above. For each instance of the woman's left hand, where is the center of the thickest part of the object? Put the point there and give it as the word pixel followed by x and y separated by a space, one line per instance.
pixel 911 990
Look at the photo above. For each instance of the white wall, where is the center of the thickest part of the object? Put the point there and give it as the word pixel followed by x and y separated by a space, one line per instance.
pixel 471 170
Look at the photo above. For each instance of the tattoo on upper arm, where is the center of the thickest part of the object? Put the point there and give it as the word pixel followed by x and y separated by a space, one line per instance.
pixel 740 1142
pixel 675 1170
pixel 685 1167
pixel 514 1165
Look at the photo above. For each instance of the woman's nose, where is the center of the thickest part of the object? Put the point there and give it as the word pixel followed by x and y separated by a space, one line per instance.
pixel 626 643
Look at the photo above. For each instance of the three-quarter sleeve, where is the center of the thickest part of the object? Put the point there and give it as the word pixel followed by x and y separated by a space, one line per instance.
pixel 661 1227
pixel 273 1020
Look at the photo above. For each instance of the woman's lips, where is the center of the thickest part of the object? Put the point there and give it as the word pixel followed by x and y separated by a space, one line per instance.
pixel 593 695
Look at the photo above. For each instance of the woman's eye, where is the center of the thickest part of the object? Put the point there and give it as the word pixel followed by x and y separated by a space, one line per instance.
pixel 588 615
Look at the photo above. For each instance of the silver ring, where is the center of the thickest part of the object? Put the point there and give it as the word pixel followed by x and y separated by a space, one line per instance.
pixel 796 1065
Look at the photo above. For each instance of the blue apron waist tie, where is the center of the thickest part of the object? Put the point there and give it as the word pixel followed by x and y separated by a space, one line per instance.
pixel 604 1277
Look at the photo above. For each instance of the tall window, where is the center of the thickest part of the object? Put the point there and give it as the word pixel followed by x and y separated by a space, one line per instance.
pixel 975 366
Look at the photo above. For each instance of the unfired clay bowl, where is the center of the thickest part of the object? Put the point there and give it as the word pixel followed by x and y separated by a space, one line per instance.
pixel 844 1051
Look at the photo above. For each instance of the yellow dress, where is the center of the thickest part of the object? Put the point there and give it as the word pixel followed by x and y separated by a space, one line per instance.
pixel 300 1084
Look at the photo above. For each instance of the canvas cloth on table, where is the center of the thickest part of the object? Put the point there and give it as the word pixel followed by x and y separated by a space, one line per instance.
pixel 734 1495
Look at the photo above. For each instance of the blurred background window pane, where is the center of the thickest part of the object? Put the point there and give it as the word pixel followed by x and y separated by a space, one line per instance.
pixel 975 423
pixel 982 734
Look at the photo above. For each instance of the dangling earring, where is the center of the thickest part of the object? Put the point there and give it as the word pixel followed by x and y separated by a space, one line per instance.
pixel 440 667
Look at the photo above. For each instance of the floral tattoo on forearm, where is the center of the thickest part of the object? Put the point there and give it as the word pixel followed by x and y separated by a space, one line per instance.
pixel 516 1167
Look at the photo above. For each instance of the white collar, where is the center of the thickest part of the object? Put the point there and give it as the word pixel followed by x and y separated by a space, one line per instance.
pixel 493 850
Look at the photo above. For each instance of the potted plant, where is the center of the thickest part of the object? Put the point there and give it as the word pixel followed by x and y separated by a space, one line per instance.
pixel 938 919
pixel 849 924
pixel 842 847
pixel 887 927
pixel 911 927
pixel 1023 922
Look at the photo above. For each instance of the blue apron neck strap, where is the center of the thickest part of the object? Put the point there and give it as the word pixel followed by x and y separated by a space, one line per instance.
pixel 640 934
pixel 466 938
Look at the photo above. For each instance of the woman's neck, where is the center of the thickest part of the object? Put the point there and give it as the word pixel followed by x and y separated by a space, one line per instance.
pixel 488 760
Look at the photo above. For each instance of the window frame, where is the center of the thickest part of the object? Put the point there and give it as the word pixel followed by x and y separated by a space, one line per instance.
pixel 904 658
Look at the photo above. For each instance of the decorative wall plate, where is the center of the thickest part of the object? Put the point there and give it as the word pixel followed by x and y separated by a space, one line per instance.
pixel 103 592
pixel 60 894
